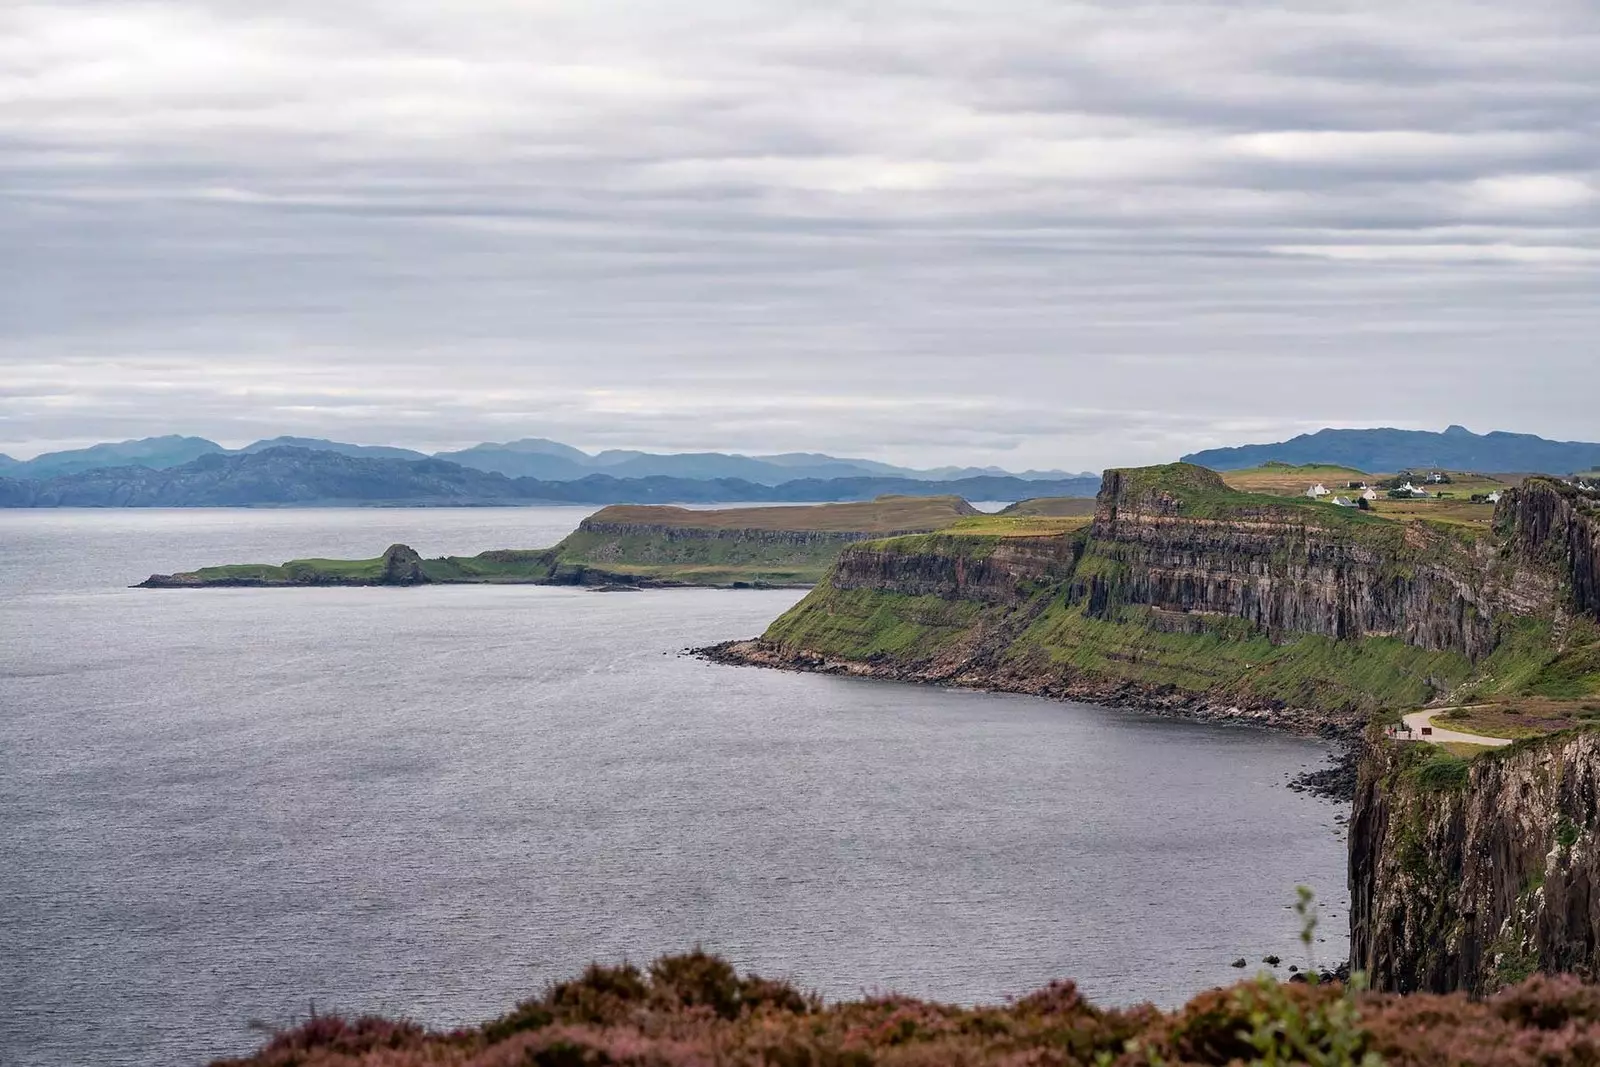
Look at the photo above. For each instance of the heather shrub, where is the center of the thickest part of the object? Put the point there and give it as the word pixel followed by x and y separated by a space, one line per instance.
pixel 1549 1002
pixel 324 1036
pixel 696 980
pixel 695 1010
pixel 757 993
pixel 601 994
pixel 700 980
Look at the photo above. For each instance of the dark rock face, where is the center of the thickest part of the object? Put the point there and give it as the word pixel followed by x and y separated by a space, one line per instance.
pixel 998 576
pixel 402 566
pixel 1558 524
pixel 1285 572
pixel 1474 887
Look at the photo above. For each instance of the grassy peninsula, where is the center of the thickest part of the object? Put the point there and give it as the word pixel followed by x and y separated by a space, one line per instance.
pixel 633 545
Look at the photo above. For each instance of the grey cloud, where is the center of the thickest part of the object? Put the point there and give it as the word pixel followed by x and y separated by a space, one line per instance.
pixel 1032 233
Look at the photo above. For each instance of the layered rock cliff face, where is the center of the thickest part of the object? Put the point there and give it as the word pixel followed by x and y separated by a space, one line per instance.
pixel 1183 589
pixel 1288 570
pixel 1558 525
pixel 1473 875
pixel 1003 571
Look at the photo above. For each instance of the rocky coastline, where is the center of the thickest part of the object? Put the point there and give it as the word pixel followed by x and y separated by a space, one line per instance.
pixel 1164 701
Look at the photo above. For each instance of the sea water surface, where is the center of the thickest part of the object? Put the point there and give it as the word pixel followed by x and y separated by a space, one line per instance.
pixel 219 806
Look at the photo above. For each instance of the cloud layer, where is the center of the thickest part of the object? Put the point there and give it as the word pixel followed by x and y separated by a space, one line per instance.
pixel 1030 233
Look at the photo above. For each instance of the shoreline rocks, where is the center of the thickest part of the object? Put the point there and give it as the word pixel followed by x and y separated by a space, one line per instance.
pixel 1156 700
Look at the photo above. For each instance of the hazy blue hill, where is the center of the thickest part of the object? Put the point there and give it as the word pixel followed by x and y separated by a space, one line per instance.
pixel 812 459
pixel 153 452
pixel 549 460
pixel 1457 448
pixel 530 457
pixel 518 463
pixel 322 444
pixel 299 476
pixel 532 446
pixel 721 465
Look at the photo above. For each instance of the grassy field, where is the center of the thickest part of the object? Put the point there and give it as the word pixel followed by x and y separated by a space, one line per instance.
pixel 1051 506
pixel 1283 479
pixel 1456 508
pixel 1523 717
pixel 1004 525
pixel 1460 512
pixel 887 514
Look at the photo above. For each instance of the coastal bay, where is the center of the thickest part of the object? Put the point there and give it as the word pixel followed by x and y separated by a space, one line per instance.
pixel 430 801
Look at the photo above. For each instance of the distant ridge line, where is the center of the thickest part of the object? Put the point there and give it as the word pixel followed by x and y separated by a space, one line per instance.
pixel 1388 449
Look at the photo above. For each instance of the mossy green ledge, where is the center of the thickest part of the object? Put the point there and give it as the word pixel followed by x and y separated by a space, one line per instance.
pixel 1186 596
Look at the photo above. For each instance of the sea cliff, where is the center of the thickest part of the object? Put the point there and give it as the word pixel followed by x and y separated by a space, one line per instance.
pixel 1185 595
pixel 1471 875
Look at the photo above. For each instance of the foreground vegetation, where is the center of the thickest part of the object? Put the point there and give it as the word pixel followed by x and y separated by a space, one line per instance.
pixel 694 1009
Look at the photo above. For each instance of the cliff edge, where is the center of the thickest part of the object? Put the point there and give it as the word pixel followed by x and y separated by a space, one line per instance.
pixel 1473 874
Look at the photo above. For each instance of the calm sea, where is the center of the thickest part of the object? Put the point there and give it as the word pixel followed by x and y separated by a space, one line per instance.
pixel 219 806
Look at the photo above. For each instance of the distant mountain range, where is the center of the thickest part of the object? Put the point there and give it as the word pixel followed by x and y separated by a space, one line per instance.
pixel 1387 450
pixel 532 457
pixel 288 475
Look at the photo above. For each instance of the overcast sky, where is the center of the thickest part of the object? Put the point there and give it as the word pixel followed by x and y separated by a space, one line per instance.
pixel 1034 234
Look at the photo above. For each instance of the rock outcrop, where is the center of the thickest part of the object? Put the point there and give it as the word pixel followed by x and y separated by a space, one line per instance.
pixel 945 566
pixel 401 565
pixel 1559 525
pixel 1473 875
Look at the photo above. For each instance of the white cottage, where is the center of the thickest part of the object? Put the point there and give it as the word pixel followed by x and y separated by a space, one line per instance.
pixel 1317 492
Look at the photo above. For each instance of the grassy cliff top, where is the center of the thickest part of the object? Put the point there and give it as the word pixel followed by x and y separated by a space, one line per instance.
pixel 1004 525
pixel 1203 494
pixel 1283 479
pixel 1522 717
pixel 1279 490
pixel 1179 479
pixel 1051 506
pixel 887 514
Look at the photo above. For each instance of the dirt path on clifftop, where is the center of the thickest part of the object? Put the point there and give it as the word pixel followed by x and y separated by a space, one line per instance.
pixel 1418 719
